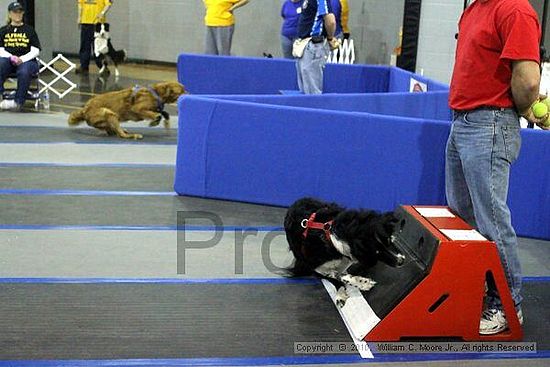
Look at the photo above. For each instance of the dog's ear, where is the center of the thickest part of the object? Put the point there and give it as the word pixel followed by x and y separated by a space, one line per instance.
pixel 169 91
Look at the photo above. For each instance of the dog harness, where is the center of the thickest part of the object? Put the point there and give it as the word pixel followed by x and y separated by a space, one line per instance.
pixel 310 223
pixel 160 103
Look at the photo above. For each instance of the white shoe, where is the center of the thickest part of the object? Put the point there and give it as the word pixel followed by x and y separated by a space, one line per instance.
pixel 493 321
pixel 8 104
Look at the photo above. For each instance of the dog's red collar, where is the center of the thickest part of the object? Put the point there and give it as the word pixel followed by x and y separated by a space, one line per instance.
pixel 311 223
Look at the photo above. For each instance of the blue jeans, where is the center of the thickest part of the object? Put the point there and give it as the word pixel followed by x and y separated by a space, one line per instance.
pixel 24 73
pixel 286 47
pixel 310 67
pixel 482 145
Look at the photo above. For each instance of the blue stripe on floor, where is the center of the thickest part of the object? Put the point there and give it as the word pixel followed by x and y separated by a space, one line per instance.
pixel 42 227
pixel 534 279
pixel 84 192
pixel 266 361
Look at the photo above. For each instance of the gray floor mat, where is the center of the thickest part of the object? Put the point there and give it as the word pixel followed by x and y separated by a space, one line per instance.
pixel 158 135
pixel 87 178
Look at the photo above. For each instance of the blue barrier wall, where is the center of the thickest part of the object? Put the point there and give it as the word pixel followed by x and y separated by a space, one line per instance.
pixel 204 74
pixel 277 154
pixel 272 154
pixel 431 105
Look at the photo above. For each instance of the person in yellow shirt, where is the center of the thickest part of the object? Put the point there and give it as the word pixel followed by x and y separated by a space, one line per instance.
pixel 220 25
pixel 90 12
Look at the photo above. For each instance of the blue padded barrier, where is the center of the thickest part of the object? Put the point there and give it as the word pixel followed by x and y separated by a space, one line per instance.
pixel 340 78
pixel 431 105
pixel 529 195
pixel 273 154
pixel 206 74
pixel 400 81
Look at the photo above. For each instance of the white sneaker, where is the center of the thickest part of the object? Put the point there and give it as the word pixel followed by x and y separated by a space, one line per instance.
pixel 8 104
pixel 493 321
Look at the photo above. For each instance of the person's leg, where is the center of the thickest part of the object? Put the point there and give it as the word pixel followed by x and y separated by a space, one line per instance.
pixel 6 68
pixel 312 66
pixel 286 47
pixel 86 44
pixel 224 39
pixel 488 145
pixel 456 188
pixel 25 73
pixel 210 47
pixel 299 77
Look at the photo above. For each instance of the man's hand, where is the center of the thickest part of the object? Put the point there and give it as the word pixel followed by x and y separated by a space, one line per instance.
pixel 334 43
pixel 530 116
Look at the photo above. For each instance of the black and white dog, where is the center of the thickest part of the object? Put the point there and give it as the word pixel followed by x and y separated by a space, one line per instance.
pixel 327 239
pixel 103 48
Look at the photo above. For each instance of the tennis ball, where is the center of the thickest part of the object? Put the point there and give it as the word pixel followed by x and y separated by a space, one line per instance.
pixel 540 109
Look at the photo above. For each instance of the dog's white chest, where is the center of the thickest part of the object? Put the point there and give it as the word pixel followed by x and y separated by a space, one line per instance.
pixel 341 246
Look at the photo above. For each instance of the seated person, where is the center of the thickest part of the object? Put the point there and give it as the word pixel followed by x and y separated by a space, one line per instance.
pixel 19 48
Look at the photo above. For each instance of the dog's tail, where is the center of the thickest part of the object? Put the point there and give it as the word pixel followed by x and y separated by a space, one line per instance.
pixel 76 117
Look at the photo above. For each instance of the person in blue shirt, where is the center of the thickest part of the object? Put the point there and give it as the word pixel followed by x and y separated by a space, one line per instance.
pixel 317 25
pixel 340 9
pixel 290 12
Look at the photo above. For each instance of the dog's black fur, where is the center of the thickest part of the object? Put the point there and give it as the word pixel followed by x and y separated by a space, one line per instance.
pixel 367 234
pixel 117 56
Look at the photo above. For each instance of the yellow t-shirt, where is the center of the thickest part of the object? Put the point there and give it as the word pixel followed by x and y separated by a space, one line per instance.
pixel 91 9
pixel 218 14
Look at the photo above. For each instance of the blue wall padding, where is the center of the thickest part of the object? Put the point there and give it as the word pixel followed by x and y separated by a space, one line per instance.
pixel 206 74
pixel 431 105
pixel 400 81
pixel 529 195
pixel 273 154
pixel 339 78
pixel 203 74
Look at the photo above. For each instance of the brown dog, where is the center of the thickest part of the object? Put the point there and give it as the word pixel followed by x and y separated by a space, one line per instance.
pixel 106 111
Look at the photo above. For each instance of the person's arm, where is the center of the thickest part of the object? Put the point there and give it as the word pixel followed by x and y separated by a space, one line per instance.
pixel 79 18
pixel 4 53
pixel 344 17
pixel 329 20
pixel 32 54
pixel 238 4
pixel 103 12
pixel 525 88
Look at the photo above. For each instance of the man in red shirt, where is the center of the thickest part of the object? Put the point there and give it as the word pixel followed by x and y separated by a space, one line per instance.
pixel 495 80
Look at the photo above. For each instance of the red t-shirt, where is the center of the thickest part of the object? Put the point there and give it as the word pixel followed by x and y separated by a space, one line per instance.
pixel 491 34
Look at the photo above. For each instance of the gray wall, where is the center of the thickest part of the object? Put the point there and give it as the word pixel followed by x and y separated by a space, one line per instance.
pixel 436 45
pixel 161 29
pixel 436 41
